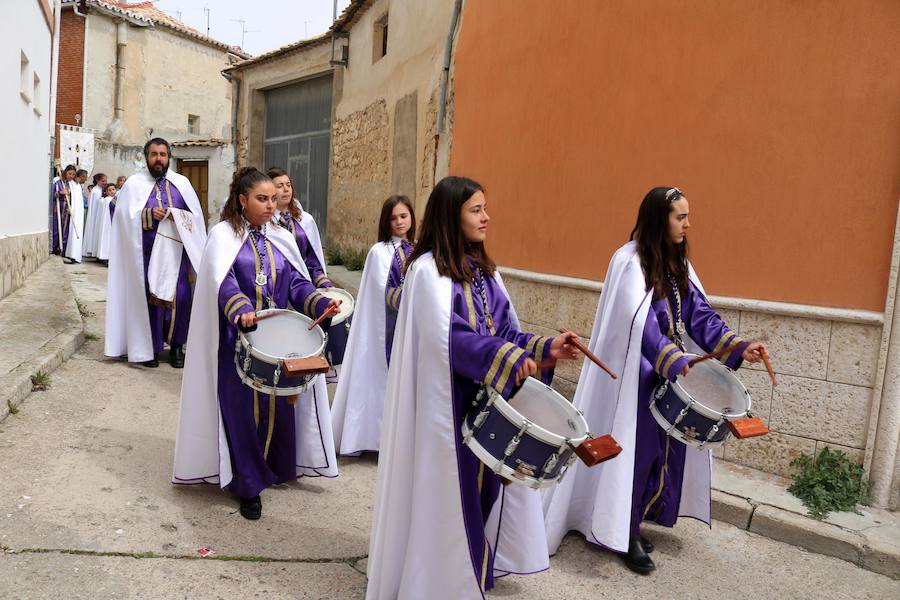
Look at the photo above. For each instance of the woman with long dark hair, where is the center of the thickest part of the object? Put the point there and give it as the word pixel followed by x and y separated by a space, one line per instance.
pixel 292 217
pixel 436 504
pixel 652 310
pixel 229 433
pixel 359 399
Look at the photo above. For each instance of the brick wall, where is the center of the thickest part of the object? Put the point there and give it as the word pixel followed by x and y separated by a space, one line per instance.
pixel 71 68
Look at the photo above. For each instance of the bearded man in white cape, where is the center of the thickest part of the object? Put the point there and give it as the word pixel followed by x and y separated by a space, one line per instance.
pixel 136 324
pixel 652 311
pixel 444 526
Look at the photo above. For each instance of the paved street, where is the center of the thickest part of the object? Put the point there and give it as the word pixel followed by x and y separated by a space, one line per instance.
pixel 87 511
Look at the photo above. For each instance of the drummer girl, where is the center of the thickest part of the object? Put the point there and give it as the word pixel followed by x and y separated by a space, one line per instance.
pixel 654 290
pixel 290 216
pixel 248 265
pixel 359 399
pixel 456 336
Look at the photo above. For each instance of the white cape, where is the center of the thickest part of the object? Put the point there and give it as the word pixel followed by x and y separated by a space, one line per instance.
pixel 359 399
pixel 89 243
pixel 75 242
pixel 180 231
pixel 597 501
pixel 105 229
pixel 418 546
pixel 308 223
pixel 201 448
pixel 127 319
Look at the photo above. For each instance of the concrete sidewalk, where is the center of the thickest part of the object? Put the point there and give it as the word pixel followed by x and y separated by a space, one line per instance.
pixel 759 502
pixel 40 327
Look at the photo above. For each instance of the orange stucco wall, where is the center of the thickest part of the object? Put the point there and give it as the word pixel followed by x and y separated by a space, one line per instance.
pixel 780 120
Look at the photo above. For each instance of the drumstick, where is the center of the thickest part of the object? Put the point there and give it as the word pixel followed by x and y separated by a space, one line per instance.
pixel 717 353
pixel 329 312
pixel 765 356
pixel 584 350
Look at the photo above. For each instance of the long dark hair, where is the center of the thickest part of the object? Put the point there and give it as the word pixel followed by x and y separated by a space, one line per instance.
pixel 293 207
pixel 659 257
pixel 442 235
pixel 387 211
pixel 243 180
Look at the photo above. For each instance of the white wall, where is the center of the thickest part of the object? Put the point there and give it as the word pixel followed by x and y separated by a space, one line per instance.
pixel 25 151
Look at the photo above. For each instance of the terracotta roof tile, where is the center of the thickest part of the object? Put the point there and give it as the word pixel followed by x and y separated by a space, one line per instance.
pixel 148 13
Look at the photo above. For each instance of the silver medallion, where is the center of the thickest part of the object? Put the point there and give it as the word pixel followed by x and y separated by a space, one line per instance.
pixel 261 279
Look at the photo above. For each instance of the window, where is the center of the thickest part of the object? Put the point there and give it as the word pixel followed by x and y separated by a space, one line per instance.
pixel 193 126
pixel 36 95
pixel 380 39
pixel 25 79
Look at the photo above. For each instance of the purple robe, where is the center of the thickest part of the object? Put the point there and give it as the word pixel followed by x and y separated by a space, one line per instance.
pixel 260 428
pixel 393 291
pixel 477 357
pixel 659 459
pixel 316 270
pixel 60 214
pixel 166 324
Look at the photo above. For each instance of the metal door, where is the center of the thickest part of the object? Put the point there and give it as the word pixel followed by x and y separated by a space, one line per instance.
pixel 298 139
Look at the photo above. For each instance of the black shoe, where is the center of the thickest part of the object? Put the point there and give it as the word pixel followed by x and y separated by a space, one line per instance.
pixel 152 364
pixel 176 356
pixel 251 508
pixel 636 559
pixel 647 545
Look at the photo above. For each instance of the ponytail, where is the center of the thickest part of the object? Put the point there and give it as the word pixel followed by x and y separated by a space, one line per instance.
pixel 243 179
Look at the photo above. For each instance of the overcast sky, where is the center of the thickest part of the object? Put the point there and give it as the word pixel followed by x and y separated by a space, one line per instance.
pixel 269 23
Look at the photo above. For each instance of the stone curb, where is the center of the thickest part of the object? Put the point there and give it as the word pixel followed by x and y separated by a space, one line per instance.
pixel 16 386
pixel 799 530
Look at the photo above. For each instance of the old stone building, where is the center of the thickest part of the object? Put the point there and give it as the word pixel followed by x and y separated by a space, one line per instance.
pixel 369 87
pixel 129 71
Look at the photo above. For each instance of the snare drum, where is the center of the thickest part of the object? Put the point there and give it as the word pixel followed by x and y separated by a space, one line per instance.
pixel 696 408
pixel 339 332
pixel 259 355
pixel 530 439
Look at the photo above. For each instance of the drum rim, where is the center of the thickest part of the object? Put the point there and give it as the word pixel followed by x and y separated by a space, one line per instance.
pixel 703 409
pixel 545 435
pixel 487 459
pixel 268 389
pixel 337 320
pixel 676 433
pixel 276 360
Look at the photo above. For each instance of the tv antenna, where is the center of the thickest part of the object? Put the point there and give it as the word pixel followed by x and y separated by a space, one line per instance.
pixel 244 30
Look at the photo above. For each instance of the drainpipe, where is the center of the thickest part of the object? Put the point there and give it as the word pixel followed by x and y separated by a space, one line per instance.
pixel 121 44
pixel 235 104
pixel 445 81
pixel 116 130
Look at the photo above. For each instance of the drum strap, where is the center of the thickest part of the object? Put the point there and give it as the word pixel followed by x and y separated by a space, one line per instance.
pixel 478 284
pixel 678 327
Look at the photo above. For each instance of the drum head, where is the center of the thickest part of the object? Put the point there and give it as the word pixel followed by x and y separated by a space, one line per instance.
pixel 347 303
pixel 714 386
pixel 547 408
pixel 286 333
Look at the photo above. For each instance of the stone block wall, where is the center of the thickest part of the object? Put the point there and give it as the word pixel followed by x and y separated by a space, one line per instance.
pixel 360 176
pixel 825 367
pixel 20 256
